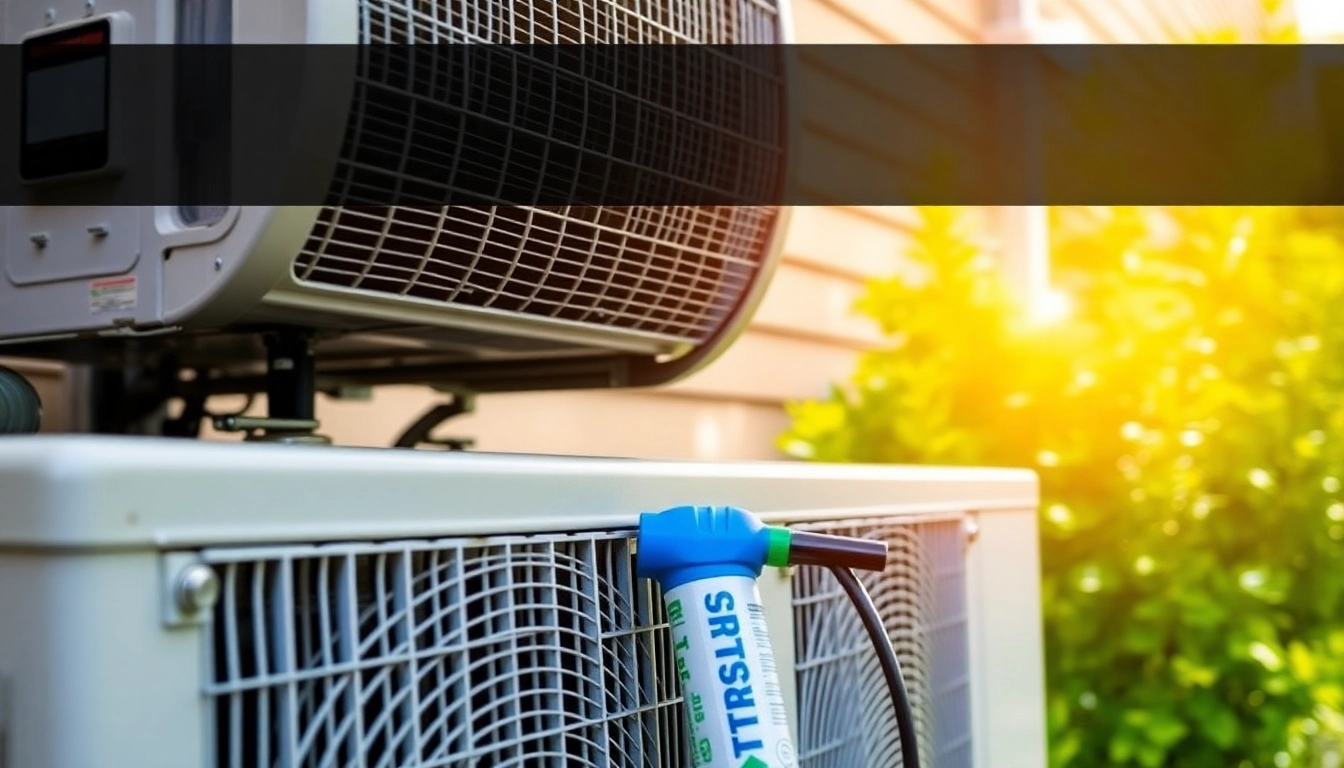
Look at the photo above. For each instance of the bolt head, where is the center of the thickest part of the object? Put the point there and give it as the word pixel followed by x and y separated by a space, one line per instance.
pixel 50 16
pixel 972 528
pixel 88 7
pixel 219 263
pixel 197 588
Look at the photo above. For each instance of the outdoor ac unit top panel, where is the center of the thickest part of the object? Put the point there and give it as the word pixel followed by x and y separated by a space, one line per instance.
pixel 356 493
pixel 574 280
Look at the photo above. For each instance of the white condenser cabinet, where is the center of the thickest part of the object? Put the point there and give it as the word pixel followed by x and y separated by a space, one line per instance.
pixel 169 604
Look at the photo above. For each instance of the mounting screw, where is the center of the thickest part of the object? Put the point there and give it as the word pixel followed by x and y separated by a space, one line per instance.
pixel 972 528
pixel 219 263
pixel 197 588
pixel 50 16
pixel 88 7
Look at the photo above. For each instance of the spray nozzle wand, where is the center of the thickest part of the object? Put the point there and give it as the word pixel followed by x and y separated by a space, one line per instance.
pixel 707 560
pixel 688 543
pixel 820 549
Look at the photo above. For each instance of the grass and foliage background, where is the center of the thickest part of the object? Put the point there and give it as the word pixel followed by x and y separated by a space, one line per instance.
pixel 1187 422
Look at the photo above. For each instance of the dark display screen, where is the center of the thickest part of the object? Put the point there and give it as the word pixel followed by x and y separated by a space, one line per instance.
pixel 65 101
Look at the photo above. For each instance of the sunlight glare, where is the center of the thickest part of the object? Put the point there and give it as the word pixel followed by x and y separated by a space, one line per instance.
pixel 1053 306
pixel 1319 19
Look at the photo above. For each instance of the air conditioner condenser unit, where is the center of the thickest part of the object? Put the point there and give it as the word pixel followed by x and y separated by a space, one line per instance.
pixel 495 296
pixel 173 605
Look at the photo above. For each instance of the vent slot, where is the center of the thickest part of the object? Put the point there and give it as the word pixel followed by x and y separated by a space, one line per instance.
pixel 922 596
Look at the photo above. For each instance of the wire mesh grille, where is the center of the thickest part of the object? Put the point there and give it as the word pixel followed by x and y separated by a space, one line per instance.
pixel 540 651
pixel 675 273
pixel 643 22
pixel 845 716
pixel 547 651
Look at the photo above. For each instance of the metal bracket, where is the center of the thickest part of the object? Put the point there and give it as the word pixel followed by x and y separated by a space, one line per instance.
pixel 250 423
pixel 267 429
pixel 188 591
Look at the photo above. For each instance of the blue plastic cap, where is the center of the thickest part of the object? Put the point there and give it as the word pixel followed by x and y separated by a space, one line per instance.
pixel 686 544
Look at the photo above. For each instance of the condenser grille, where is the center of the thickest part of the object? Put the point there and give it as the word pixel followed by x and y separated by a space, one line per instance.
pixel 674 273
pixel 521 651
pixel 668 272
pixel 845 717
pixel 551 22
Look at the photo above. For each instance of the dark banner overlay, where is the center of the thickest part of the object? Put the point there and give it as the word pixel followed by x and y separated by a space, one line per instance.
pixel 673 125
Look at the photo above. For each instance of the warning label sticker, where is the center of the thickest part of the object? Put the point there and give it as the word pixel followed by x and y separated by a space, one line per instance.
pixel 112 294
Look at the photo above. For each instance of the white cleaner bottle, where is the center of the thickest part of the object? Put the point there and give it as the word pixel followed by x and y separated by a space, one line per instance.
pixel 707 560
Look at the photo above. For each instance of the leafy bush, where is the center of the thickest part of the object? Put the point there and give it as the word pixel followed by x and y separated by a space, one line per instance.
pixel 1187 423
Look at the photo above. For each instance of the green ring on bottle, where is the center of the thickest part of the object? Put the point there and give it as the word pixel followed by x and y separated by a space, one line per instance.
pixel 778 543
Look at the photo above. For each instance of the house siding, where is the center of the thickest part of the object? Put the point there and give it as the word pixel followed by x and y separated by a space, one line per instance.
pixel 1158 21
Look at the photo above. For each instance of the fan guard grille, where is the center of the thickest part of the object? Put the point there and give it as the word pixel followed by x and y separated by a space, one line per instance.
pixel 547 651
pixel 670 273
pixel 541 651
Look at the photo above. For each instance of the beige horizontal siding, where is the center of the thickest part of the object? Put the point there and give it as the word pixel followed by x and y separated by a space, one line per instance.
pixel 883 21
pixel 965 16
pixel 1104 22
pixel 1158 21
pixel 622 423
pixel 899 217
pixel 770 368
pixel 807 303
pixel 846 241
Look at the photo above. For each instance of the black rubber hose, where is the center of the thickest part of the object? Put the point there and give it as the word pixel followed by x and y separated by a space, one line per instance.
pixel 807 548
pixel 418 432
pixel 886 656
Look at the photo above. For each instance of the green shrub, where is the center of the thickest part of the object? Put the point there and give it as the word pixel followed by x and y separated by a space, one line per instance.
pixel 1187 423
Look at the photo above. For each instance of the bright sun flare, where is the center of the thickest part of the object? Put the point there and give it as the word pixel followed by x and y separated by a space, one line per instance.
pixel 1052 306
